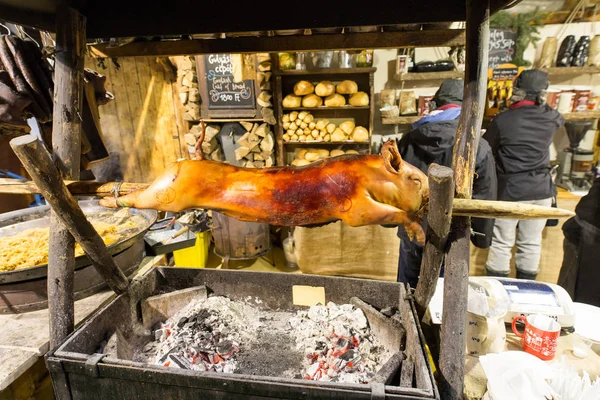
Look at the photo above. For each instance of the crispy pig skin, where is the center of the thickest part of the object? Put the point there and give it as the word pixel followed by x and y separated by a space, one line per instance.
pixel 357 189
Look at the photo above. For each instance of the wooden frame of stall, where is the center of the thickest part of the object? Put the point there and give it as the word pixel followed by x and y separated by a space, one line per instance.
pixel 68 221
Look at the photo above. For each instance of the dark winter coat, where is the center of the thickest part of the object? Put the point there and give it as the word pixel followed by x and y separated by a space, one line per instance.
pixel 520 140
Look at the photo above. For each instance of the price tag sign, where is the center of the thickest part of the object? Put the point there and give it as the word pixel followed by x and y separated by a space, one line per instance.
pixel 502 47
pixel 223 92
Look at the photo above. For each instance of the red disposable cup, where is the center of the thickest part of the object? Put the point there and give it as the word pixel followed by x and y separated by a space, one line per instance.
pixel 540 337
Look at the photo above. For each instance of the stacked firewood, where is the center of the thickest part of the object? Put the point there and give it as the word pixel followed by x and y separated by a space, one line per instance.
pixel 256 146
pixel 187 87
pixel 211 148
pixel 263 77
pixel 26 85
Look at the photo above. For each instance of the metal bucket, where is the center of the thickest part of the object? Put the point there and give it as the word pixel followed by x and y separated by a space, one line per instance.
pixel 239 240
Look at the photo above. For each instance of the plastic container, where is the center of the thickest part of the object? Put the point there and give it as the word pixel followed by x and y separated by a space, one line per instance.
pixel 195 256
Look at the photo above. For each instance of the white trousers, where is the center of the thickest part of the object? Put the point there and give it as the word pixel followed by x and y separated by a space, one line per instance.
pixel 528 235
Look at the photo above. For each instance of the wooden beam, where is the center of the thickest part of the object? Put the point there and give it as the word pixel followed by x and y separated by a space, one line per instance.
pixel 66 144
pixel 271 44
pixel 40 167
pixel 456 273
pixel 441 194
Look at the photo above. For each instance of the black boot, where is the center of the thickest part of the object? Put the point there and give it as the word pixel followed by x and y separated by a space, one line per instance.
pixel 490 272
pixel 526 275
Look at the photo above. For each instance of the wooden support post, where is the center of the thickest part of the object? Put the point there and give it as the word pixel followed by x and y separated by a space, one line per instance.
pixel 39 165
pixel 441 194
pixel 66 144
pixel 456 273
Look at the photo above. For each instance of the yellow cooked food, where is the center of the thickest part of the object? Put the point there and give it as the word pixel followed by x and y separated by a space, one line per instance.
pixel 29 248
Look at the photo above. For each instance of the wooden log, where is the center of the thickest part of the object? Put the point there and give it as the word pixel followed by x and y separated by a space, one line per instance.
pixel 505 209
pixel 456 273
pixel 66 145
pixel 80 188
pixel 386 373
pixel 39 165
pixel 441 194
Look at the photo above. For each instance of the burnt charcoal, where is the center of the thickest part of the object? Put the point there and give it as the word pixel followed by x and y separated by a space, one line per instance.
pixel 181 322
pixel 181 362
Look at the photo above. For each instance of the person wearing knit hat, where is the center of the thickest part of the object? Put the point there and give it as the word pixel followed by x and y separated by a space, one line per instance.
pixel 432 141
pixel 520 139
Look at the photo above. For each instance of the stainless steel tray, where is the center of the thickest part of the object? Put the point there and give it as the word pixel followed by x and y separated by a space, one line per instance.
pixel 39 217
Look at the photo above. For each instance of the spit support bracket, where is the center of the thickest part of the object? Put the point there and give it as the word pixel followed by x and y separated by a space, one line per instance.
pixel 377 391
pixel 91 365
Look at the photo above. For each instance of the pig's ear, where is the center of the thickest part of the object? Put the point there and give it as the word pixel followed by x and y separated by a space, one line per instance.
pixel 391 157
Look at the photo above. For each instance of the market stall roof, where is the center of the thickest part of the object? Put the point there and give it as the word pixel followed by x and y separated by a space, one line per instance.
pixel 123 18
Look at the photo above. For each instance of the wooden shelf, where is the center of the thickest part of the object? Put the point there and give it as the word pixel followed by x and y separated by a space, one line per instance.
pixel 401 120
pixel 563 71
pixel 429 76
pixel 274 44
pixel 296 143
pixel 326 108
pixel 577 116
pixel 323 71
pixel 231 120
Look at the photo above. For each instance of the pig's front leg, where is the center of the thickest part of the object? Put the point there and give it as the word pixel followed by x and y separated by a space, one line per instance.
pixel 371 212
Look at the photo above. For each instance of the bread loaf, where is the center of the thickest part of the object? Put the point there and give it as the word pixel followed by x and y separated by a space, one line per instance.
pixel 359 99
pixel 347 127
pixel 291 101
pixel 335 100
pixel 312 100
pixel 302 88
pixel 325 88
pixel 360 134
pixel 346 87
pixel 336 152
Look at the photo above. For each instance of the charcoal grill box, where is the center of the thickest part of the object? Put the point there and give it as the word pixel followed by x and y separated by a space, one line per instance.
pixel 78 372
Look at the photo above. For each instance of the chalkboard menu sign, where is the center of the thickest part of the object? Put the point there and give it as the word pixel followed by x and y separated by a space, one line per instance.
pixel 503 43
pixel 222 91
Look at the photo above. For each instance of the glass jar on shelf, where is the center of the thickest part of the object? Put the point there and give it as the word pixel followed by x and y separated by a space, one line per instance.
pixel 287 61
pixel 364 59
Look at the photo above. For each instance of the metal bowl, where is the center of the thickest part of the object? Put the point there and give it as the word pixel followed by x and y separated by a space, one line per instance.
pixel 14 222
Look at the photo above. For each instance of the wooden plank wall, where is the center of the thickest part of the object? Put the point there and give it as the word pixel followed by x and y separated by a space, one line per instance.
pixel 141 126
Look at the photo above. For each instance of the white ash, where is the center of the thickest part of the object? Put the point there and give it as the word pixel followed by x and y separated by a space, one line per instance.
pixel 217 334
pixel 337 344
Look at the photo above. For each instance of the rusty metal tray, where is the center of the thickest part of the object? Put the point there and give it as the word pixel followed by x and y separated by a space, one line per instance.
pixel 39 217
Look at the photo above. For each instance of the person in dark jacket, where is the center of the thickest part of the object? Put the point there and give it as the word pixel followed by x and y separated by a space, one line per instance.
pixel 520 139
pixel 432 141
pixel 580 272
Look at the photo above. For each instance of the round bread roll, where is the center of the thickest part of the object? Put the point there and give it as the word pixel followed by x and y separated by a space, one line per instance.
pixel 306 131
pixel 309 117
pixel 291 101
pixel 323 153
pixel 294 137
pixel 285 118
pixel 347 127
pixel 335 100
pixel 301 154
pixel 314 133
pixel 300 163
pixel 312 125
pixel 352 152
pixel 293 126
pixel 338 135
pixel 312 155
pixel 346 87
pixel 325 88
pixel 336 152
pixel 359 99
pixel 302 138
pixel 301 115
pixel 302 88
pixel 286 137
pixel 321 124
pixel 360 134
pixel 293 116
pixel 312 100
pixel 303 125
pixel 330 128
pixel 286 125
pixel 327 137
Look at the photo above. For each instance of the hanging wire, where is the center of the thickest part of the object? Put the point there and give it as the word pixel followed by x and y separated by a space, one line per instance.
pixel 8 31
pixel 23 34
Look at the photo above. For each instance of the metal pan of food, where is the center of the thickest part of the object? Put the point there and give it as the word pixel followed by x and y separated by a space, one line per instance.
pixel 24 237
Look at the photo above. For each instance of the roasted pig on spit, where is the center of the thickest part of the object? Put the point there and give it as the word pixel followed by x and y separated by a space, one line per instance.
pixel 357 189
